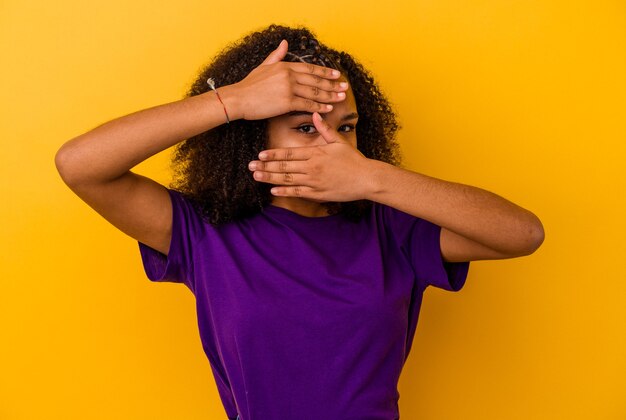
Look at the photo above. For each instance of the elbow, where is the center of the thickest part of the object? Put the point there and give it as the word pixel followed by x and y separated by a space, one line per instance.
pixel 68 164
pixel 534 237
pixel 63 163
pixel 528 237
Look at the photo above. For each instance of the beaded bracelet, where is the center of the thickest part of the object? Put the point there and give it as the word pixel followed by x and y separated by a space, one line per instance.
pixel 211 84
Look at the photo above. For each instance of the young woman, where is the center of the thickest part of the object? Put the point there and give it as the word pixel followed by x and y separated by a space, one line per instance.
pixel 306 246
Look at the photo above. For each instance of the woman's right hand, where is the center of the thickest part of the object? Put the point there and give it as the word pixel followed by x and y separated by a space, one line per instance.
pixel 277 87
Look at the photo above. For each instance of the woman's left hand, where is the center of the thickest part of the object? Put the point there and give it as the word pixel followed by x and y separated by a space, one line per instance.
pixel 335 171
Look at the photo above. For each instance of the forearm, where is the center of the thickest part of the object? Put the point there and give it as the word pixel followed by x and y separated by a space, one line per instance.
pixel 113 148
pixel 469 211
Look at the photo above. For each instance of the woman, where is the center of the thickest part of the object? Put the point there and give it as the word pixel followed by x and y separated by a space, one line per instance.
pixel 308 261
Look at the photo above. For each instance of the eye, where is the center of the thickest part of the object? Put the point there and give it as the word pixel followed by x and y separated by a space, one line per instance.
pixel 310 128
pixel 350 127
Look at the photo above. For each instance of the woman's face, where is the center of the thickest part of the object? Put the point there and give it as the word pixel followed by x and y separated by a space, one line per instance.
pixel 296 129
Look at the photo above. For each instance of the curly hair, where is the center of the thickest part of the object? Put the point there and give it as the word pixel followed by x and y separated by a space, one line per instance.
pixel 211 168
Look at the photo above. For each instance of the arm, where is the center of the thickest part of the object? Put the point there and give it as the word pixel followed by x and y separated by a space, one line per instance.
pixel 96 165
pixel 475 224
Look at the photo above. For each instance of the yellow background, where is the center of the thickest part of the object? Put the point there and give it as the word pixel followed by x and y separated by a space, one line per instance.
pixel 524 98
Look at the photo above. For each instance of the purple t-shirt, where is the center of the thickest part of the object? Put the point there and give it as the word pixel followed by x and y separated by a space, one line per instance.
pixel 301 317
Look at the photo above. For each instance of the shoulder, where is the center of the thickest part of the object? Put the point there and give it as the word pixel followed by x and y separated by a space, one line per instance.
pixel 393 217
pixel 404 227
pixel 187 217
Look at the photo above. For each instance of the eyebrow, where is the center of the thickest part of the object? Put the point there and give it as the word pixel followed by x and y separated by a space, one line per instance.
pixel 346 117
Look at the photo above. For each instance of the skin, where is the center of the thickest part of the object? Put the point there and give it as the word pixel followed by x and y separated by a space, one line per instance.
pixel 307 169
pixel 285 131
pixel 475 224
pixel 96 165
pixel 323 164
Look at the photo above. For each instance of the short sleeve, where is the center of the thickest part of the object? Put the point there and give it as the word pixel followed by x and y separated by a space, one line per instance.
pixel 429 266
pixel 177 265
pixel 420 241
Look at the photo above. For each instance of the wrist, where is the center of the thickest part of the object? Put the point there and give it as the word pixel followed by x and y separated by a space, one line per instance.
pixel 374 179
pixel 230 99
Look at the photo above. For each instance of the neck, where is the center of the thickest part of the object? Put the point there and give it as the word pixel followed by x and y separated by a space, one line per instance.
pixel 301 206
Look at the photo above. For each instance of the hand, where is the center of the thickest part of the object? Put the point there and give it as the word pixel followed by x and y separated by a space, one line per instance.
pixel 335 171
pixel 277 87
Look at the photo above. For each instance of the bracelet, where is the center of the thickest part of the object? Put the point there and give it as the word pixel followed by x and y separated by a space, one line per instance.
pixel 211 84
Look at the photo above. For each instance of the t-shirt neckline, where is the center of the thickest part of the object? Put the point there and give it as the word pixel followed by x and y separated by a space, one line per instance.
pixel 273 209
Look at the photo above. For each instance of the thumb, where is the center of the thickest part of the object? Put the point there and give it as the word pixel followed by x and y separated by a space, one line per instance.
pixel 278 54
pixel 324 129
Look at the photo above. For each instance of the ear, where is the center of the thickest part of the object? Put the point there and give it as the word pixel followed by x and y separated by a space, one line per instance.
pixel 278 54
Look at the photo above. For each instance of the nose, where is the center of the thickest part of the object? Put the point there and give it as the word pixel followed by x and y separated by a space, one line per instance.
pixel 319 141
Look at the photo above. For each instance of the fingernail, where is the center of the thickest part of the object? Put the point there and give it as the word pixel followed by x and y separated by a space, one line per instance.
pixel 329 107
pixel 336 73
pixel 341 94
pixel 262 155
pixel 343 84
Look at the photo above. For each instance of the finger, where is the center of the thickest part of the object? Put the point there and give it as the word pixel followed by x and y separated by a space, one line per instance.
pixel 286 178
pixel 299 103
pixel 288 153
pixel 322 83
pixel 325 72
pixel 294 191
pixel 317 94
pixel 323 128
pixel 293 166
pixel 278 54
